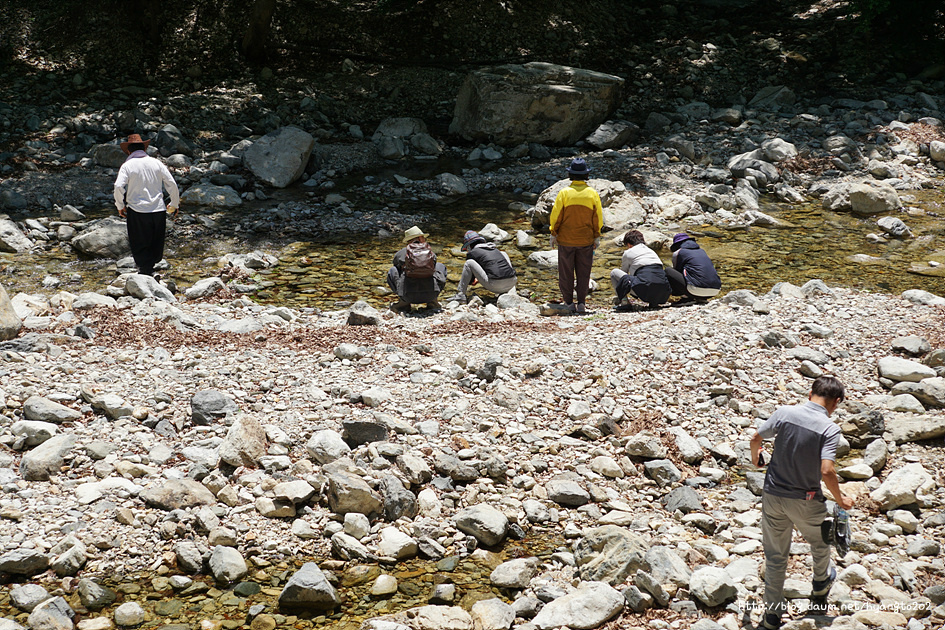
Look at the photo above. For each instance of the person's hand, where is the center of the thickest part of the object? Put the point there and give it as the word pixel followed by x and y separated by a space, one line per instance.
pixel 845 502
pixel 554 240
pixel 596 242
pixel 172 212
pixel 122 212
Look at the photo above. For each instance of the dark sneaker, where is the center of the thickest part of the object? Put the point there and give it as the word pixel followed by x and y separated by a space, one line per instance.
pixel 771 621
pixel 581 309
pixel 820 588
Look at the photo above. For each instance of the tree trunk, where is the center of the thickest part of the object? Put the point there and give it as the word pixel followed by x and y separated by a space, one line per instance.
pixel 257 32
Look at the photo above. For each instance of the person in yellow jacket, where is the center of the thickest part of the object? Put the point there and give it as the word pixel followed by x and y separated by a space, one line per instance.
pixel 576 220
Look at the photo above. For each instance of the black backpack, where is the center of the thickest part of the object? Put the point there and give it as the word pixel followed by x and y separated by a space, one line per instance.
pixel 420 261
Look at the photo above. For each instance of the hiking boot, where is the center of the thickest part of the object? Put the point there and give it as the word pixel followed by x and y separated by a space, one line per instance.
pixel 581 308
pixel 820 588
pixel 572 307
pixel 459 297
pixel 434 306
pixel 400 306
pixel 771 621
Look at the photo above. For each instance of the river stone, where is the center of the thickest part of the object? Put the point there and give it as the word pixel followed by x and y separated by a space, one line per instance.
pixel 690 450
pixel 204 287
pixel 483 522
pixel 177 494
pixel 384 585
pixel 227 564
pixel 399 502
pixel 778 150
pixel 308 588
pixel 90 300
pixel 350 493
pixel 26 597
pixel 613 134
pixel 280 157
pixel 713 586
pixel 144 287
pixel 46 459
pixel 906 403
pixel 245 442
pixel 803 353
pixel 209 195
pixel 874 455
pixel 12 239
pixel 517 573
pixel 297 491
pixel 492 614
pixel 94 596
pixel 535 102
pixel 357 432
pixel 567 492
pixel 902 429
pixel 898 369
pixel 210 404
pixel 52 614
pixel 105 238
pixel 607 466
pixel 873 198
pixel 662 471
pixel 912 345
pixel 684 499
pixel 25 562
pixel 394 543
pixel 667 566
pixel 645 445
pixel 610 554
pixel 45 410
pixel 903 486
pixel 929 391
pixel 918 296
pixel 129 614
pixel 71 556
pixel 10 322
pixel 326 446
pixel 363 314
pixel 590 605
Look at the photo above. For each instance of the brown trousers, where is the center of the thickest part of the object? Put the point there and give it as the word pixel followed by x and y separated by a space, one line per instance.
pixel 571 261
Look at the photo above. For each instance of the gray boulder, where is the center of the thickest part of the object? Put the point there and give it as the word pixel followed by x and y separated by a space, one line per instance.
pixel 177 494
pixel 210 404
pixel 245 442
pixel 873 198
pixel 46 459
pixel 492 614
pixel 308 588
pixel 912 345
pixel 26 597
pixel 170 141
pixel 567 492
pixel 52 614
pixel 918 296
pixel 108 155
pixel 713 586
pixel 25 562
pixel 106 238
pixel 772 98
pixel 326 446
pixel 929 391
pixel 534 102
pixel 45 410
pixel 94 596
pixel 12 239
pixel 10 322
pixel 904 486
pixel 211 196
pixel 204 287
pixel 662 471
pixel 129 614
pixel 613 134
pixel 590 605
pixel 517 573
pixel 279 158
pixel 349 493
pixel 144 287
pixel 684 499
pixel 610 554
pixel 363 314
pixel 227 564
pixel 910 428
pixel 483 522
pixel 667 566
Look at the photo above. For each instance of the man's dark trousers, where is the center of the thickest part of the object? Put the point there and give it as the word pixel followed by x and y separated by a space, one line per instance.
pixel 146 237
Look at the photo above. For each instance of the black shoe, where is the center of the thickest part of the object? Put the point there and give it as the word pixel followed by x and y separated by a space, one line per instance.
pixel 771 621
pixel 820 588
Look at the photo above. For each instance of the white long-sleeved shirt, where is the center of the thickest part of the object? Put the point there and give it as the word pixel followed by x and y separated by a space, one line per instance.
pixel 139 185
pixel 638 256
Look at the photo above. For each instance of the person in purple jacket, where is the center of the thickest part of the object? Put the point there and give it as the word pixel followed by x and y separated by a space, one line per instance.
pixel 692 275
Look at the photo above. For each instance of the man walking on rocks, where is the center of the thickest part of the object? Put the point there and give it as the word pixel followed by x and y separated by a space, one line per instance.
pixel 139 189
pixel 805 450
pixel 576 220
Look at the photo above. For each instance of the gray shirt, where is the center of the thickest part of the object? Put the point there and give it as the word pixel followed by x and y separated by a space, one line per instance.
pixel 805 436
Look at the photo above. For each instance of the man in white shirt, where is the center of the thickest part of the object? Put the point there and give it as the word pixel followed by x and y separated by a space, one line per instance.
pixel 139 198
pixel 641 273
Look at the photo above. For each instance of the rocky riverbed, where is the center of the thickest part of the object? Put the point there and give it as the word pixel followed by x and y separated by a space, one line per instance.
pixel 221 463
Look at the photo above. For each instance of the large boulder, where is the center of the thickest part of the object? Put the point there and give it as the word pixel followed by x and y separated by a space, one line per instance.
pixel 611 193
pixel 108 155
pixel 208 405
pixel 874 198
pixel 176 494
pixel 534 102
pixel 170 141
pixel 929 391
pixel 309 589
pixel 588 606
pixel 106 238
pixel 613 134
pixel 45 410
pixel 483 522
pixel 211 196
pixel 712 586
pixel 46 459
pixel 904 486
pixel 244 443
pixel 144 287
pixel 10 322
pixel 610 554
pixel 279 157
pixel 12 239
pixel 898 369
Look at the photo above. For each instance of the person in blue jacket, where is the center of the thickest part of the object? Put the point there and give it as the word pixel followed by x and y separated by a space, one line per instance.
pixel 692 275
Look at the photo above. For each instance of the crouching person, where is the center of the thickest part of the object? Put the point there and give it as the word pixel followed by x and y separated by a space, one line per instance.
pixel 641 273
pixel 485 264
pixel 693 276
pixel 416 277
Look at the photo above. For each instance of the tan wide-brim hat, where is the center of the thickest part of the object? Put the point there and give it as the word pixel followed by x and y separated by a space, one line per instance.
pixel 413 233
pixel 134 139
